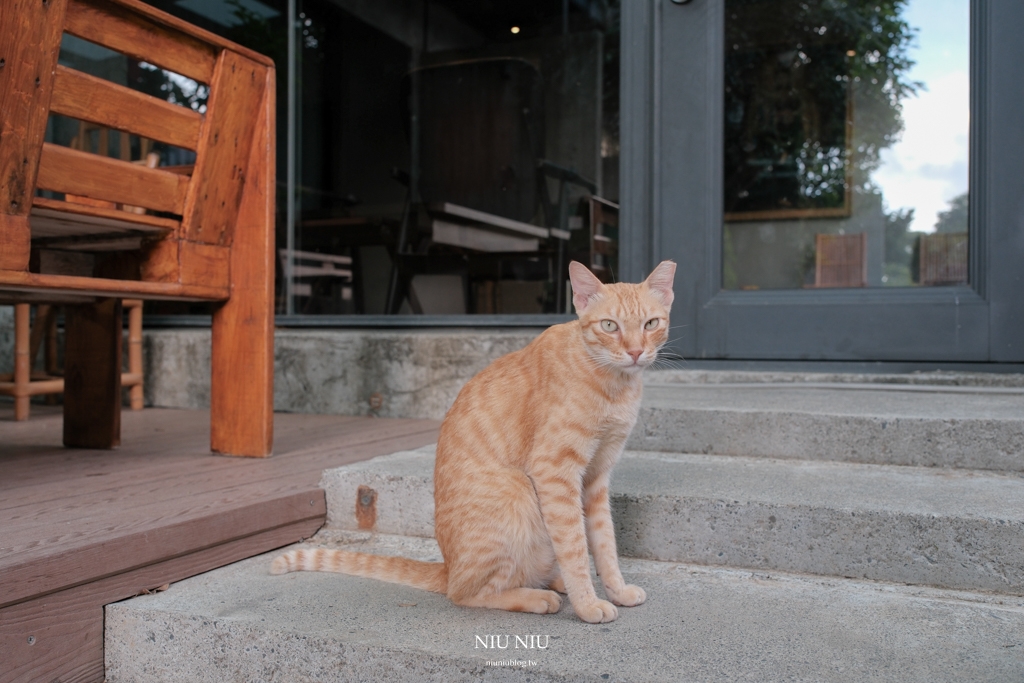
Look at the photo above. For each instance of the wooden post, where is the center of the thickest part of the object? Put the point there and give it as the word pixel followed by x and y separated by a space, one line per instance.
pixel 30 33
pixel 242 382
pixel 92 375
pixel 22 366
pixel 135 393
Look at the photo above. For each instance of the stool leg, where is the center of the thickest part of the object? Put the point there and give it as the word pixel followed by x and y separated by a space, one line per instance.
pixel 135 353
pixel 22 367
pixel 92 375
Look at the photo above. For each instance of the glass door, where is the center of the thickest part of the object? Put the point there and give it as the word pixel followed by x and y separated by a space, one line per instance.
pixel 828 175
pixel 845 156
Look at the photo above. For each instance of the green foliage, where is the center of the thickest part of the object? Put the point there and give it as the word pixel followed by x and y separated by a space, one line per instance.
pixel 259 33
pixel 955 219
pixel 170 87
pixel 899 248
pixel 793 68
pixel 881 39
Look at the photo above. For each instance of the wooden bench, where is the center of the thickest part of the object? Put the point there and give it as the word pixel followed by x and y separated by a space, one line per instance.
pixel 208 231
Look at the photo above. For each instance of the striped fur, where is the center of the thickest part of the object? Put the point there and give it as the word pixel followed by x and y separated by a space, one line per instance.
pixel 429 576
pixel 524 459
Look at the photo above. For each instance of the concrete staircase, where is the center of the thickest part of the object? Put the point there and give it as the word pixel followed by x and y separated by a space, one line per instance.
pixel 801 531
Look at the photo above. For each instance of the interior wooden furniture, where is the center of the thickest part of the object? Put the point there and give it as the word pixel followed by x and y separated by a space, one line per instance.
pixel 943 258
pixel 212 239
pixel 603 219
pixel 311 270
pixel 26 382
pixel 841 260
pixel 482 180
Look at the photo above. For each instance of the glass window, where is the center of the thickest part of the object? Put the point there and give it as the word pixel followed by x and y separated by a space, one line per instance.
pixel 446 156
pixel 846 129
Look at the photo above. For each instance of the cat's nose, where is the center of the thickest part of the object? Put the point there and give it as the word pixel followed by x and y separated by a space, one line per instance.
pixel 635 355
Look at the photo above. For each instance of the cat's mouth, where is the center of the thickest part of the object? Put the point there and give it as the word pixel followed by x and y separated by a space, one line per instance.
pixel 634 364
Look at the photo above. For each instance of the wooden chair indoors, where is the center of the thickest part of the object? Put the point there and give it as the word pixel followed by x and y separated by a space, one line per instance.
pixel 603 237
pixel 318 274
pixel 482 179
pixel 204 233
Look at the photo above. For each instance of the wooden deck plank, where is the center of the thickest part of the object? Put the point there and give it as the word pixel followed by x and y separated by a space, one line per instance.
pixel 158 510
pixel 155 533
pixel 33 508
pixel 161 479
pixel 27 449
pixel 126 466
pixel 184 495
pixel 67 626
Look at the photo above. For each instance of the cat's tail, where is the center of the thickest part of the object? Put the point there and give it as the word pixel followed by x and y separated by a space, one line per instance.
pixel 431 576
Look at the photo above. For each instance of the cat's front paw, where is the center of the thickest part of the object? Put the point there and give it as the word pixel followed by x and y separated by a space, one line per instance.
pixel 597 612
pixel 627 596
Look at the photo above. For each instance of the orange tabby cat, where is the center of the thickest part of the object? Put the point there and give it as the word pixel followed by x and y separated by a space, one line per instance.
pixel 523 462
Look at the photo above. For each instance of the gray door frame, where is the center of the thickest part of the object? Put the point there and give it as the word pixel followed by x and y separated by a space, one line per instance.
pixel 671 194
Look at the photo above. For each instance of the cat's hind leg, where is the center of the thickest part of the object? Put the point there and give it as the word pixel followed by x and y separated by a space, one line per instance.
pixel 496 549
pixel 535 600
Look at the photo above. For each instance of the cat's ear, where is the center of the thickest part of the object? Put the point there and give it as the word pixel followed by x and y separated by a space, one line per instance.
pixel 660 282
pixel 585 285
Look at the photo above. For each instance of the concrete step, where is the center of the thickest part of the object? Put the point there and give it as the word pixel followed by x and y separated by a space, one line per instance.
pixel 699 624
pixel 961 529
pixel 975 427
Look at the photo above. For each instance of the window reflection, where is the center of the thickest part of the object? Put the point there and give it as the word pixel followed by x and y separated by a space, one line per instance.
pixel 450 156
pixel 825 137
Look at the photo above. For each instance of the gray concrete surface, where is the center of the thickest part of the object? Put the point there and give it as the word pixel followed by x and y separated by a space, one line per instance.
pixel 416 373
pixel 698 625
pixel 404 483
pixel 951 528
pixel 968 423
pixel 970 427
pixel 419 372
pixel 934 378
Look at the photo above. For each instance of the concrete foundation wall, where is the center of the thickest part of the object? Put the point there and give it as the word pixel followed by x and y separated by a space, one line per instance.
pixel 416 373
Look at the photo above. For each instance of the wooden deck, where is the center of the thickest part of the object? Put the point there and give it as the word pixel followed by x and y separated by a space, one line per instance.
pixel 80 528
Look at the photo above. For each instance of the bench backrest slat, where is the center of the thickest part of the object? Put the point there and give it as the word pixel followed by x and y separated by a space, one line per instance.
pixel 208 199
pixel 132 34
pixel 96 100
pixel 68 170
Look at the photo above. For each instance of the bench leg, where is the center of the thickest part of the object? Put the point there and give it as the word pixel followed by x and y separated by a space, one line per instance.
pixel 135 393
pixel 242 378
pixel 92 375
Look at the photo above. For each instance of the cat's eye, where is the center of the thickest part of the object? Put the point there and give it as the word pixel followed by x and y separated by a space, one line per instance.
pixel 652 324
pixel 609 325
